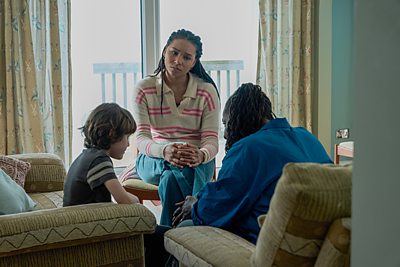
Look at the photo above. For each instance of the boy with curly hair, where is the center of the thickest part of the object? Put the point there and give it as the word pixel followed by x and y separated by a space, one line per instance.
pixel 91 177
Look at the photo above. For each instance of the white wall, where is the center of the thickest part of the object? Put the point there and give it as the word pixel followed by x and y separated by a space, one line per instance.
pixel 376 177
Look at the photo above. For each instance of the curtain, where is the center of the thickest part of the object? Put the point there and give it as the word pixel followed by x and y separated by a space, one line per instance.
pixel 35 95
pixel 284 65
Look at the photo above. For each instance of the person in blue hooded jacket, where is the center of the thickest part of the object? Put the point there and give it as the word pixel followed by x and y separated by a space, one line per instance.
pixel 258 146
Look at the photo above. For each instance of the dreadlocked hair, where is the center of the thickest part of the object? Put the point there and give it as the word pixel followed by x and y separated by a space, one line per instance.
pixel 197 69
pixel 247 110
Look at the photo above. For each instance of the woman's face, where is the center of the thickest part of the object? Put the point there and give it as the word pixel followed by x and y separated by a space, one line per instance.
pixel 180 57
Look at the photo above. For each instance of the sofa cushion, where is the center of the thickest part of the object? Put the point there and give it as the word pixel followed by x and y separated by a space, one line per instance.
pixel 69 226
pixel 307 199
pixel 47 172
pixel 336 248
pixel 207 246
pixel 13 198
pixel 48 200
pixel 15 168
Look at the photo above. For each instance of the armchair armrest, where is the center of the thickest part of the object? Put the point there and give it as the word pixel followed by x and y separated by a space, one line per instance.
pixel 196 246
pixel 69 226
pixel 47 172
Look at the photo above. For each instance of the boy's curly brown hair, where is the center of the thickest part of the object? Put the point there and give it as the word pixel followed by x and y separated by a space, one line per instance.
pixel 107 124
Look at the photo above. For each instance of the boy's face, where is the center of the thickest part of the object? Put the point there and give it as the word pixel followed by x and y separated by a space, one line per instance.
pixel 117 149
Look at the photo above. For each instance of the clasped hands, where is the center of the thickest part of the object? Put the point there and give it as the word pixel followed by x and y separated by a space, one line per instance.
pixel 182 155
pixel 183 211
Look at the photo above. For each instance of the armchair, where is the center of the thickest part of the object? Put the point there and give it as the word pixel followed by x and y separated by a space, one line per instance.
pixel 101 234
pixel 307 224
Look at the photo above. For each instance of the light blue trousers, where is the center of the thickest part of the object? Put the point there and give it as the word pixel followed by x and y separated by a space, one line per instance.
pixel 174 183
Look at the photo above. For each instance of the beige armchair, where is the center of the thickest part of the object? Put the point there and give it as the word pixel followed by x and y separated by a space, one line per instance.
pixel 102 234
pixel 308 224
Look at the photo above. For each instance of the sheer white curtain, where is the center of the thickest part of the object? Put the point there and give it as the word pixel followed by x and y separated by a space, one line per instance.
pixel 285 55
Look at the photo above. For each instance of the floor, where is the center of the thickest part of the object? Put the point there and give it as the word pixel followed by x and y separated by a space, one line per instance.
pixel 156 210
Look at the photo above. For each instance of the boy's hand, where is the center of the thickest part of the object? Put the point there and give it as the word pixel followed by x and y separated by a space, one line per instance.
pixel 134 198
pixel 120 195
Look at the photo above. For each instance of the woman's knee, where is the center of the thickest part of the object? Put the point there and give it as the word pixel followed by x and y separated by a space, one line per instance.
pixel 167 179
pixel 148 170
pixel 155 179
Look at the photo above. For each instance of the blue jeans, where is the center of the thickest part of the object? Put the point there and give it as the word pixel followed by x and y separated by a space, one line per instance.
pixel 174 183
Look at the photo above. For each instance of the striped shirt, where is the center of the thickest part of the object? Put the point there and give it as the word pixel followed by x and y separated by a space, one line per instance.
pixel 194 121
pixel 86 177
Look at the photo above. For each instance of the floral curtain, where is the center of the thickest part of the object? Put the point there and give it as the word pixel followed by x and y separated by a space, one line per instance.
pixel 35 113
pixel 284 66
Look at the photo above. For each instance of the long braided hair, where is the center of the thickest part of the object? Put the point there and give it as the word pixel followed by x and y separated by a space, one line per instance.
pixel 197 69
pixel 247 110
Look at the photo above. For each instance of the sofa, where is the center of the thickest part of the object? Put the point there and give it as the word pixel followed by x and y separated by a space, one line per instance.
pixel 101 234
pixel 308 224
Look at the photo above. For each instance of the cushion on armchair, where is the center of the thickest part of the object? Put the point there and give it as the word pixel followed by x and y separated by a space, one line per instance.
pixel 207 246
pixel 15 168
pixel 47 172
pixel 44 181
pixel 48 200
pixel 307 199
pixel 336 248
pixel 99 234
pixel 13 198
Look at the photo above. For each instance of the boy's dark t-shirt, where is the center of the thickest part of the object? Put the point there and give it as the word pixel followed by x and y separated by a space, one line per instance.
pixel 86 177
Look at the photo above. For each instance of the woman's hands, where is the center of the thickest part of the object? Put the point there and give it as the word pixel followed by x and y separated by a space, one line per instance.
pixel 172 156
pixel 182 155
pixel 190 155
pixel 184 210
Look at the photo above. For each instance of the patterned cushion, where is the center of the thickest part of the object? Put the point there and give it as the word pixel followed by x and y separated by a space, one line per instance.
pixel 13 198
pixel 307 199
pixel 16 169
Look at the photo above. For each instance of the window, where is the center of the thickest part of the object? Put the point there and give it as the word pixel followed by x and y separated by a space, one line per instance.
pixel 102 31
pixel 228 30
pixel 105 31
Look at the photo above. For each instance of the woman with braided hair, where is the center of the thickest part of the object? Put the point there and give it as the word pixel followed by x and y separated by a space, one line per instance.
pixel 177 113
pixel 258 146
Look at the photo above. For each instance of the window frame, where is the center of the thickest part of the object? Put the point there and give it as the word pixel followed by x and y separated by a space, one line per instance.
pixel 150 35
